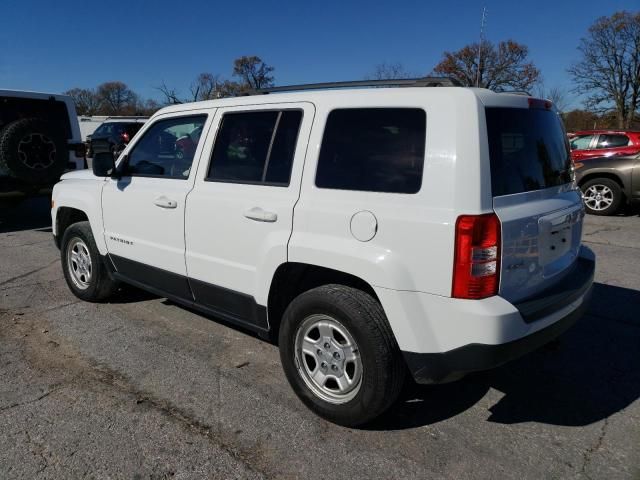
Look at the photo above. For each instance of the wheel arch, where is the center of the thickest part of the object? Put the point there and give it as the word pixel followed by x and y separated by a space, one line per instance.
pixel 67 216
pixel 291 279
pixel 595 175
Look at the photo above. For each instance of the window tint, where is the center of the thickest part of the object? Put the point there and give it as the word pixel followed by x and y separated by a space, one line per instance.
pixel 528 150
pixel 581 142
pixel 612 141
pixel 167 148
pixel 256 147
pixel 109 128
pixel 373 149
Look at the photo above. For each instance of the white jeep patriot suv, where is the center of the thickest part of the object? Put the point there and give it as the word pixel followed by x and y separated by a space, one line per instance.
pixel 374 232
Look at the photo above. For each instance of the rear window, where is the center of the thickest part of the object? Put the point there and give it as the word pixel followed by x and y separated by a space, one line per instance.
pixel 612 141
pixel 110 128
pixel 528 150
pixel 373 149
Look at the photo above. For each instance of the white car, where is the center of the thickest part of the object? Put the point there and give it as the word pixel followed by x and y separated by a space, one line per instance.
pixel 377 233
pixel 39 140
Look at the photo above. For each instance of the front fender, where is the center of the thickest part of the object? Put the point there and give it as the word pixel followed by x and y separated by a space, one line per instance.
pixel 83 195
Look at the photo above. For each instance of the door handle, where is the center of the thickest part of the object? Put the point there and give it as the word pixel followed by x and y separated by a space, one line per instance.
pixel 164 202
pixel 260 215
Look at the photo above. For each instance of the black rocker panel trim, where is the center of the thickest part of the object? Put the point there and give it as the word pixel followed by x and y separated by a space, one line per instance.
pixel 162 280
pixel 230 301
pixel 228 305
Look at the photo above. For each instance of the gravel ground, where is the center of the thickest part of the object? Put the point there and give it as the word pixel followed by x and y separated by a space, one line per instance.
pixel 141 388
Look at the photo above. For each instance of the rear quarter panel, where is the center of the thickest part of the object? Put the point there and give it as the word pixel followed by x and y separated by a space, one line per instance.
pixel 413 247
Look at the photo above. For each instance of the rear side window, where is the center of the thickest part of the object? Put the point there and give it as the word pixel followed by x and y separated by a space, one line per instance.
pixel 255 147
pixel 373 149
pixel 612 141
pixel 528 150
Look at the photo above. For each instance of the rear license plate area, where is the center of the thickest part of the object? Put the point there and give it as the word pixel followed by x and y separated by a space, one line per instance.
pixel 559 239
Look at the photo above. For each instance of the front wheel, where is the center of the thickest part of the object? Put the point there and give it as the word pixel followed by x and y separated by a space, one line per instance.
pixel 602 196
pixel 82 266
pixel 339 354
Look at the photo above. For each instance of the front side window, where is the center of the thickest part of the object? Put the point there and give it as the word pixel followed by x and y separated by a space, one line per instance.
pixel 255 147
pixel 167 148
pixel 581 142
pixel 612 141
pixel 373 149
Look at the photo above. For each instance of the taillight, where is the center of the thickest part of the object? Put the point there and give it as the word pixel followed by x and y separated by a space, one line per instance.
pixel 476 266
pixel 125 137
pixel 80 150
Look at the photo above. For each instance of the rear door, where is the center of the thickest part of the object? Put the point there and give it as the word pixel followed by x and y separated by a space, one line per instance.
pixel 240 212
pixel 611 144
pixel 533 195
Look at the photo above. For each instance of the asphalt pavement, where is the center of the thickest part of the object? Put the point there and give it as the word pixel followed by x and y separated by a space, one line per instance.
pixel 141 388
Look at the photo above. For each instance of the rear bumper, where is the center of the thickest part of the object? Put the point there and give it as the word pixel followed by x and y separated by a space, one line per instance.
pixel 553 311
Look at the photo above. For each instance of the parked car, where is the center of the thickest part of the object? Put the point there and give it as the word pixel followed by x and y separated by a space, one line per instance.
pixel 39 140
pixel 608 184
pixel 374 232
pixel 588 144
pixel 113 135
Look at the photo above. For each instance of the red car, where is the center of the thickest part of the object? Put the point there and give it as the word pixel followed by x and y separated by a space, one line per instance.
pixel 603 143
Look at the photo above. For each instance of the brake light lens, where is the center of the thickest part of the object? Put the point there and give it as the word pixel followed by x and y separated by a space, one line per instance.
pixel 80 150
pixel 539 103
pixel 476 266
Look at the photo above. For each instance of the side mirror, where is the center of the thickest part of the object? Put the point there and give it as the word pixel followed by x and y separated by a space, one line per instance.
pixel 103 164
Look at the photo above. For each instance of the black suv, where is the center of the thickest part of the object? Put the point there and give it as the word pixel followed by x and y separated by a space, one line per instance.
pixel 113 135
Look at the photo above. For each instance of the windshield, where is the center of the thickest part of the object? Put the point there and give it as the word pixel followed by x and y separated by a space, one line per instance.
pixel 528 150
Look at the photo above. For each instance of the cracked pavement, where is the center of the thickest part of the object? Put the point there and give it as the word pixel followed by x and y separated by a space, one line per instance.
pixel 141 388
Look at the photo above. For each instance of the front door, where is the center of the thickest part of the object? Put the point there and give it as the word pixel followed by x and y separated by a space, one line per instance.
pixel 143 211
pixel 240 212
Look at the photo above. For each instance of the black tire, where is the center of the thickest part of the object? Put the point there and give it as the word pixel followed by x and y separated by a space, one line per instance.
pixel 383 368
pixel 33 151
pixel 613 194
pixel 99 285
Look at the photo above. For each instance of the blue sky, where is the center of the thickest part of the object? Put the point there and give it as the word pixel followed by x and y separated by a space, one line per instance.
pixel 57 45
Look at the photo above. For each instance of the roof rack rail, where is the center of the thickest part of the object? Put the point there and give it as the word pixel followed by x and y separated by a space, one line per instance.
pixel 403 82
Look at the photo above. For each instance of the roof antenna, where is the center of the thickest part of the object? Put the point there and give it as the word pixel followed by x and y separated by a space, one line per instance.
pixel 482 24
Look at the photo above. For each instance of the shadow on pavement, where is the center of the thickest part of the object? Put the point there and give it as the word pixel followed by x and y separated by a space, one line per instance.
pixel 587 375
pixel 29 214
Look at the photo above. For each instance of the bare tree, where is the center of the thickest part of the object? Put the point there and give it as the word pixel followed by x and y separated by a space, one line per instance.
pixel 557 95
pixel 205 87
pixel 171 96
pixel 504 66
pixel 117 98
pixel 388 71
pixel 86 101
pixel 609 71
pixel 253 72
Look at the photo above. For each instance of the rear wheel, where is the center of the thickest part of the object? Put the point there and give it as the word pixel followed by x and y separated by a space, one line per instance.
pixel 602 196
pixel 339 354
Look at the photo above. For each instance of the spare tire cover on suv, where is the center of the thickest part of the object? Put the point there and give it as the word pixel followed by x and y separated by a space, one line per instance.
pixel 33 150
